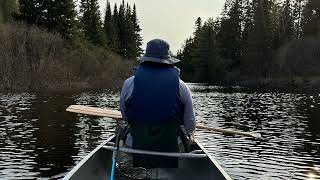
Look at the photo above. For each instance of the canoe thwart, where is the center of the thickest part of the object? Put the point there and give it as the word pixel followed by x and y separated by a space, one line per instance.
pixel 197 152
pixel 155 153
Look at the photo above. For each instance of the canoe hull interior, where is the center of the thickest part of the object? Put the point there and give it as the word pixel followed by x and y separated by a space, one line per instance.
pixel 97 166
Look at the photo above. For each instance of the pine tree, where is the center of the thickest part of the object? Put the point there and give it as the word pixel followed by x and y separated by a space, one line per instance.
pixel 137 30
pixel 229 35
pixel 8 9
pixel 260 38
pixel 91 22
pixel 131 46
pixel 205 54
pixel 297 18
pixel 122 30
pixel 128 10
pixel 311 18
pixel 31 11
pixel 248 28
pixel 60 16
pixel 115 14
pixel 127 44
pixel 1 15
pixel 108 26
pixel 198 26
pixel 115 21
pixel 185 55
pixel 285 30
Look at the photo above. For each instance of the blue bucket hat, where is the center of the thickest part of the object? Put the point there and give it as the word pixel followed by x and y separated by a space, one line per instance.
pixel 158 51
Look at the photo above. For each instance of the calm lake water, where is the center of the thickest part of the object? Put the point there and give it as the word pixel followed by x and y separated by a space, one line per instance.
pixel 38 139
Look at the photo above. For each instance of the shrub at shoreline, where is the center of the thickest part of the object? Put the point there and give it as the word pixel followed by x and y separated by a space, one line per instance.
pixel 34 60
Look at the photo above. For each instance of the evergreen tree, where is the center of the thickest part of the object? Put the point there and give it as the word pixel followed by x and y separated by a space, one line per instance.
pixel 186 64
pixel 260 38
pixel 248 28
pixel 205 54
pixel 131 46
pixel 250 34
pixel 60 16
pixel 115 21
pixel 127 44
pixel 198 26
pixel 297 18
pixel 8 9
pixel 115 14
pixel 137 30
pixel 108 26
pixel 122 30
pixel 187 52
pixel 128 10
pixel 31 11
pixel 229 35
pixel 311 18
pixel 91 21
pixel 285 29
pixel 1 16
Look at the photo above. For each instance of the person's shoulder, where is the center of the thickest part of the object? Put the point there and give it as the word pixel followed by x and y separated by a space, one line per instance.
pixel 129 80
pixel 177 69
pixel 182 83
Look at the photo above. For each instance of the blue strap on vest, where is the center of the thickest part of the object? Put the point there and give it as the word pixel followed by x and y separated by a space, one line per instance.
pixel 155 95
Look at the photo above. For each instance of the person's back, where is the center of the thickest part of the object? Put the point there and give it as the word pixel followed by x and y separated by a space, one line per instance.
pixel 151 104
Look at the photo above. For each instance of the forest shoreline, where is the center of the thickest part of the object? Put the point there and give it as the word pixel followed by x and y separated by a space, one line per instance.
pixel 34 60
pixel 281 85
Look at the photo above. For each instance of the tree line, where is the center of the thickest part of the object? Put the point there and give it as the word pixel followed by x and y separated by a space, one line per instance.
pixel 254 39
pixel 119 31
pixel 54 45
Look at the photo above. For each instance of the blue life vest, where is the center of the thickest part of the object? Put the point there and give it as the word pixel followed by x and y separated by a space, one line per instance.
pixel 155 97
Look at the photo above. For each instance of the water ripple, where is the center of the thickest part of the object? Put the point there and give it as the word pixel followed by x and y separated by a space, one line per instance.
pixel 38 139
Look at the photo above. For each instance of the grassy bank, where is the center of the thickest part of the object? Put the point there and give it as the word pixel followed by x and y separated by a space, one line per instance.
pixel 34 60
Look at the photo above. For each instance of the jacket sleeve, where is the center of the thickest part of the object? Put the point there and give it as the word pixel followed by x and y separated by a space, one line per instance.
pixel 126 92
pixel 188 116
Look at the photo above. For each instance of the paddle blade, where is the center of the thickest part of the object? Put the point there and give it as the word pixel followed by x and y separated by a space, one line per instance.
pixel 256 135
pixel 95 111
pixel 227 131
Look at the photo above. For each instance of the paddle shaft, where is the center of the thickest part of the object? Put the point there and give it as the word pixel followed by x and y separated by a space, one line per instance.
pixel 117 116
pixel 225 131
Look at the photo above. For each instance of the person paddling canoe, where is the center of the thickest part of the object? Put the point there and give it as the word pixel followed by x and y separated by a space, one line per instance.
pixel 155 102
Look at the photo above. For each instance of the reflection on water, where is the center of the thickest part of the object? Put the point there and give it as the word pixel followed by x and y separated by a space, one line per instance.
pixel 38 139
pixel 288 122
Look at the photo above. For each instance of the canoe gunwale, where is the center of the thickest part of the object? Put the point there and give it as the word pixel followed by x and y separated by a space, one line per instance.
pixel 86 158
pixel 214 161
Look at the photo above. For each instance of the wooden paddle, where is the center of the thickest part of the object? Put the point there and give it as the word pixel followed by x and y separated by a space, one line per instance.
pixel 226 131
pixel 117 116
pixel 95 111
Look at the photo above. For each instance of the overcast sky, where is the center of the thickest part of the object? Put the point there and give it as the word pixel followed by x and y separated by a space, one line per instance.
pixel 171 20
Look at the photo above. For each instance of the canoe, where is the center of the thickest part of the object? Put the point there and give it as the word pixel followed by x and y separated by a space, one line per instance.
pixel 97 165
